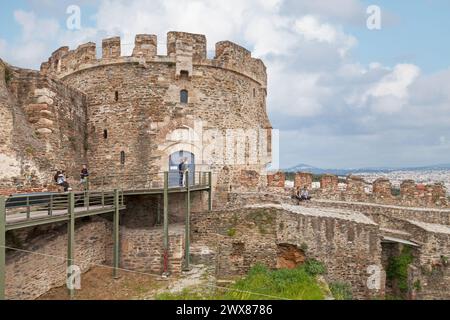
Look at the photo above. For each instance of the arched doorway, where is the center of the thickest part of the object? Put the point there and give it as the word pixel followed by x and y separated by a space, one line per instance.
pixel 174 160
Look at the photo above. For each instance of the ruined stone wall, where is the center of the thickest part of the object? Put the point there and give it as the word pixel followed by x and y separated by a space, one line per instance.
pixel 28 276
pixel 276 180
pixel 346 243
pixel 142 249
pixel 329 183
pixel 433 268
pixel 428 215
pixel 355 189
pixel 43 129
pixel 302 180
pixel 240 238
pixel 345 246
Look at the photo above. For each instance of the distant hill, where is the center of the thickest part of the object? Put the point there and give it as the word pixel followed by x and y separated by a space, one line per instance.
pixel 342 172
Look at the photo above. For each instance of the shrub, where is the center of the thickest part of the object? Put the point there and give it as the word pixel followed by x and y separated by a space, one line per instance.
pixel 397 269
pixel 314 267
pixel 231 232
pixel 304 247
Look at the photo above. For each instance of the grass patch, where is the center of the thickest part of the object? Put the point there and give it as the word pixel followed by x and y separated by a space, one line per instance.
pixel 341 291
pixel 314 267
pixel 261 284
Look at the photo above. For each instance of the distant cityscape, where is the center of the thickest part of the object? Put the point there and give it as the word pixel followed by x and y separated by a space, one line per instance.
pixel 425 175
pixel 396 177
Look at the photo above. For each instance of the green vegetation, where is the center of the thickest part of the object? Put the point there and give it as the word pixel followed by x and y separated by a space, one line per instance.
pixel 341 291
pixel 304 247
pixel 8 75
pixel 417 285
pixel 395 192
pixel 262 284
pixel 314 267
pixel 231 232
pixel 397 269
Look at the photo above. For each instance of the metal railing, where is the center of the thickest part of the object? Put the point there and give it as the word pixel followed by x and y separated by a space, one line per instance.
pixel 155 181
pixel 29 206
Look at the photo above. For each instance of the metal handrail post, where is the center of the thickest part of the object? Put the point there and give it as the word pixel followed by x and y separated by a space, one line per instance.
pixel 210 191
pixel 2 246
pixel 166 222
pixel 71 240
pixel 187 225
pixel 116 235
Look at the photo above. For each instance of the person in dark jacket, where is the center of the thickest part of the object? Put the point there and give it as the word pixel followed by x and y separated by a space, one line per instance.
pixel 182 168
pixel 84 175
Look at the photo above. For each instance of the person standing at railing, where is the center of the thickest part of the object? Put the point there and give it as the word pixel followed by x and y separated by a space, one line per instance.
pixel 182 168
pixel 84 176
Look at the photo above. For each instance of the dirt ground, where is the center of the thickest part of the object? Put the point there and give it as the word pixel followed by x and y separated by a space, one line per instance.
pixel 98 284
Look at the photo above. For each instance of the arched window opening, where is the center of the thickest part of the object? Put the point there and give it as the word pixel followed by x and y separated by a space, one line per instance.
pixel 105 134
pixel 122 157
pixel 116 96
pixel 184 74
pixel 184 96
pixel 254 93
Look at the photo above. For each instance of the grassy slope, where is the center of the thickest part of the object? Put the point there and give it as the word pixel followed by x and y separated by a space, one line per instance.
pixel 261 284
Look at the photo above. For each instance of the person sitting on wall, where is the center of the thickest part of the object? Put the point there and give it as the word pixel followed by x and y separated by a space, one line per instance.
pixel 296 194
pixel 61 180
pixel 304 195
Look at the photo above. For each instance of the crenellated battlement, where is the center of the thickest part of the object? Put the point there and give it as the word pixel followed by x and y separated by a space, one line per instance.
pixel 185 50
pixel 356 189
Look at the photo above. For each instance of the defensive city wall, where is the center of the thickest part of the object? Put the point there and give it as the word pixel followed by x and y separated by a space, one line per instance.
pixel 142 114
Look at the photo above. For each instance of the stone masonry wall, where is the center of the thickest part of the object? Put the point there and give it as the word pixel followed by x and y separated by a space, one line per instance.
pixel 28 276
pixel 427 215
pixel 45 131
pixel 142 249
pixel 346 243
pixel 240 238
pixel 276 180
pixel 134 112
pixel 381 191
pixel 302 180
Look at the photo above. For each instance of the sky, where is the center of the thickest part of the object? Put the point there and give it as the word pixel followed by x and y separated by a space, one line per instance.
pixel 341 95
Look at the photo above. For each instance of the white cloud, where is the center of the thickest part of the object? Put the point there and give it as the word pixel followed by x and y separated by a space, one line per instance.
pixel 313 30
pixel 34 28
pixel 397 82
pixel 316 89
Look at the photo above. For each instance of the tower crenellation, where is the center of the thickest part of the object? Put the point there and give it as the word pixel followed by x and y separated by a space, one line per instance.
pixel 185 50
